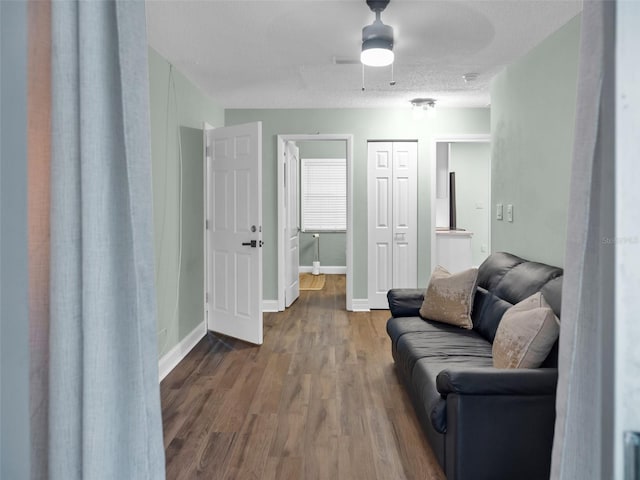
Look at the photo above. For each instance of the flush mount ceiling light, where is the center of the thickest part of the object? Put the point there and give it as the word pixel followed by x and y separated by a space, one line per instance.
pixel 377 39
pixel 420 105
pixel 470 77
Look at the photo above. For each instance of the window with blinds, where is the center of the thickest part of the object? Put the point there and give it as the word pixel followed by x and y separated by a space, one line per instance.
pixel 323 195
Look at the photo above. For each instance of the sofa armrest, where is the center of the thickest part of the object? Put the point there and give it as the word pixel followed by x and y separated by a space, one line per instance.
pixel 405 302
pixel 494 381
pixel 499 436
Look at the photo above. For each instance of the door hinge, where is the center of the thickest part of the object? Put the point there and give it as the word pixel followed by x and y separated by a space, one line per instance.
pixel 206 224
pixel 206 297
pixel 208 151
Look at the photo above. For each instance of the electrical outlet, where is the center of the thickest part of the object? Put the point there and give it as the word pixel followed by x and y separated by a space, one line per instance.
pixel 509 213
pixel 499 211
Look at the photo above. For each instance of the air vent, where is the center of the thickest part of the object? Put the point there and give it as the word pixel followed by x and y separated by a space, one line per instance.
pixel 345 60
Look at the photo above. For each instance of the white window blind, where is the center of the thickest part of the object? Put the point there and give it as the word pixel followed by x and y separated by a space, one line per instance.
pixel 324 194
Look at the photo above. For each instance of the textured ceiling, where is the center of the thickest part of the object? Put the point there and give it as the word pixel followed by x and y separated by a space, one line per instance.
pixel 282 54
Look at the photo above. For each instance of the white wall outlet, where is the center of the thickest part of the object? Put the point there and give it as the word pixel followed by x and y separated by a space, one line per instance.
pixel 509 213
pixel 499 211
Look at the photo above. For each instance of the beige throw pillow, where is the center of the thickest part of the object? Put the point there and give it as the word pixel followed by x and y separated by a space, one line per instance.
pixel 449 297
pixel 526 334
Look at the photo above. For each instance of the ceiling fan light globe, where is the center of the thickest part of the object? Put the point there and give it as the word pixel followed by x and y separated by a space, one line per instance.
pixel 377 57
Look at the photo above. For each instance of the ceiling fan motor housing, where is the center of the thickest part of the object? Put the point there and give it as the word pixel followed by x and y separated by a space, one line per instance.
pixel 377 35
pixel 377 5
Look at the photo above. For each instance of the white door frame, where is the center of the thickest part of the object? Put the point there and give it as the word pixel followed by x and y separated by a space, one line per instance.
pixel 453 138
pixel 282 139
pixel 205 198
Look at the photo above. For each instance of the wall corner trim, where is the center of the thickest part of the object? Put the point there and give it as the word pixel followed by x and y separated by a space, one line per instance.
pixel 270 306
pixel 360 305
pixel 173 357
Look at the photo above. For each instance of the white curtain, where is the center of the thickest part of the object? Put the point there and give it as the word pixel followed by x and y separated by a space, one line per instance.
pixel 583 405
pixel 104 403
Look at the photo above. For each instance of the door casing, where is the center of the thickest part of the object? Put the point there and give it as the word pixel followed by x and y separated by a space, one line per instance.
pixel 452 138
pixel 282 241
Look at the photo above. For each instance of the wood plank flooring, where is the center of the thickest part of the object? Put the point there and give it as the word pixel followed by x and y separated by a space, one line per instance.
pixel 318 400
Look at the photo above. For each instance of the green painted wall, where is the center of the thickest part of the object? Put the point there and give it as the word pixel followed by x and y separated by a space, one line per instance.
pixel 177 115
pixel 533 103
pixel 364 124
pixel 472 164
pixel 333 249
pixel 333 245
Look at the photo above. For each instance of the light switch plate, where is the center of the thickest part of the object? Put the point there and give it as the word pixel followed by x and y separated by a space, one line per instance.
pixel 499 211
pixel 509 213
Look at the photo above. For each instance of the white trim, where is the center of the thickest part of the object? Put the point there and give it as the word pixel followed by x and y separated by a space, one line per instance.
pixel 282 139
pixel 360 305
pixel 331 270
pixel 453 138
pixel 270 306
pixel 173 357
pixel 206 127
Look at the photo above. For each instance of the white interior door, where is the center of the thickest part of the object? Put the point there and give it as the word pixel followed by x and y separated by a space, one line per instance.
pixel 380 196
pixel 405 215
pixel 392 195
pixel 235 240
pixel 292 224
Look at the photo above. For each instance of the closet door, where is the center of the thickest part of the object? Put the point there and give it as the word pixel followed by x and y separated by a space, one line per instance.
pixel 405 215
pixel 392 215
pixel 380 244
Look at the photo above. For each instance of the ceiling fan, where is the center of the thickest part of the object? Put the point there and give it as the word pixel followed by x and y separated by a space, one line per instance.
pixel 377 38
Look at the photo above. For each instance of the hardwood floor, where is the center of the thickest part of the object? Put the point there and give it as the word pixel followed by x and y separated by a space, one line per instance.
pixel 318 400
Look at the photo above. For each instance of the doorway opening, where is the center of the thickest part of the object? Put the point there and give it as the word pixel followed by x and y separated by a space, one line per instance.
pixel 460 201
pixel 289 228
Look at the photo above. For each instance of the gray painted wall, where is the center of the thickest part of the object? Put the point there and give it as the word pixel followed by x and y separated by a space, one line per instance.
pixel 364 124
pixel 333 246
pixel 533 103
pixel 14 310
pixel 472 164
pixel 179 290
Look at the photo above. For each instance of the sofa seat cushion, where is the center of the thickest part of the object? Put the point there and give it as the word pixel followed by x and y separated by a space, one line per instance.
pixel 423 382
pixel 437 341
pixel 398 326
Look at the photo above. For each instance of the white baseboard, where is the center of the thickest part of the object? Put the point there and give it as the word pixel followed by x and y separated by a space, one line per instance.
pixel 270 306
pixel 174 356
pixel 326 270
pixel 360 305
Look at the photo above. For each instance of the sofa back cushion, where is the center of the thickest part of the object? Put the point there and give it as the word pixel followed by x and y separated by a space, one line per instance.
pixel 504 280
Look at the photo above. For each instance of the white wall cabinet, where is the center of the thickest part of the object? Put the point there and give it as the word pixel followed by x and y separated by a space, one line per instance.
pixel 393 219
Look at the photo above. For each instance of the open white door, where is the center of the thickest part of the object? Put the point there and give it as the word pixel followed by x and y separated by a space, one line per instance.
pixel 292 224
pixel 234 263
